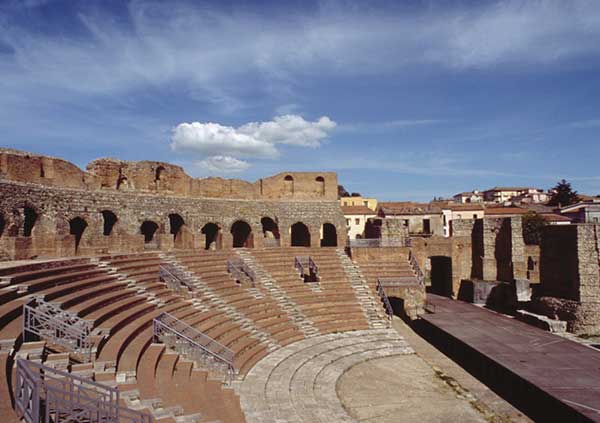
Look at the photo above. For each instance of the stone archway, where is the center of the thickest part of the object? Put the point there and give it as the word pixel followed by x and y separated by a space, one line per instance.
pixel 441 275
pixel 109 222
pixel 148 228
pixel 300 235
pixel 77 227
pixel 30 217
pixel 242 235
pixel 329 238
pixel 270 231
pixel 212 236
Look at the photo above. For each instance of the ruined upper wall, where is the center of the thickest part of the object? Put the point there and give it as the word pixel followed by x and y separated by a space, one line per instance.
pixel 162 178
pixel 21 166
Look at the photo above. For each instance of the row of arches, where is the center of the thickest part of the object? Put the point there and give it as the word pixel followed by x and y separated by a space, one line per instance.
pixel 243 236
pixel 241 231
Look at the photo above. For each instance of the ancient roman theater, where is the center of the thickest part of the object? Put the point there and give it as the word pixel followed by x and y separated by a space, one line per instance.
pixel 132 292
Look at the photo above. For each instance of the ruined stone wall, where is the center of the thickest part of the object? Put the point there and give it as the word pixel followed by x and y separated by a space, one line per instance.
pixel 457 248
pixel 559 262
pixel 518 257
pixel 162 178
pixel 570 276
pixel 393 231
pixel 26 167
pixel 55 207
pixel 504 256
pixel 532 261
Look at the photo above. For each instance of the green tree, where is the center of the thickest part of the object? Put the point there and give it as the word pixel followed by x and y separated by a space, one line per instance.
pixel 532 228
pixel 563 195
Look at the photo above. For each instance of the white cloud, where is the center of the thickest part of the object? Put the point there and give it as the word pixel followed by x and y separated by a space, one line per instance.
pixel 254 139
pixel 213 138
pixel 223 164
pixel 290 129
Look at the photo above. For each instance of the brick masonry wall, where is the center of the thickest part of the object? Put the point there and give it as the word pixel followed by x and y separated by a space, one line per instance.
pixel 56 206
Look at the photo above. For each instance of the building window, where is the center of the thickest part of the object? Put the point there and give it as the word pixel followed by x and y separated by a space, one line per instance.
pixel 366 203
pixel 426 226
pixel 474 216
pixel 357 221
pixel 348 222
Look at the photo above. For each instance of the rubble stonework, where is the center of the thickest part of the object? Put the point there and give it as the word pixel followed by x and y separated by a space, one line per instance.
pixel 32 184
pixel 570 276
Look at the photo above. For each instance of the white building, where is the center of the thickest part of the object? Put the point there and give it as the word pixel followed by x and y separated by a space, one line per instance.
pixel 356 218
pixel 454 212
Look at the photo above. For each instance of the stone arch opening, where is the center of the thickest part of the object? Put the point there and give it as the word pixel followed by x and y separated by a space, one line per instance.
pixel 212 236
pixel 176 222
pixel 288 184
pixel 242 235
pixel 270 228
pixel 42 171
pixel 329 238
pixel 30 218
pixel 441 275
pixel 373 228
pixel 121 182
pixel 148 229
pixel 159 173
pixel 77 227
pixel 320 181
pixel 109 221
pixel 300 235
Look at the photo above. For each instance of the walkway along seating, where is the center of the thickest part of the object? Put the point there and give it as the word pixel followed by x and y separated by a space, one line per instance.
pixel 48 321
pixel 46 395
pixel 378 242
pixel 194 344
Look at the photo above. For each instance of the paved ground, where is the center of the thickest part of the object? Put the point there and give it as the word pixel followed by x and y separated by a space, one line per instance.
pixel 297 383
pixel 487 402
pixel 402 389
pixel 545 372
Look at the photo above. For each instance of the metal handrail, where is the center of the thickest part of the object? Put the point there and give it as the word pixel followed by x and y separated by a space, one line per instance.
pixel 386 302
pixel 166 322
pixel 240 270
pixel 49 321
pixel 415 266
pixel 312 266
pixel 176 282
pixel 42 392
pixel 298 265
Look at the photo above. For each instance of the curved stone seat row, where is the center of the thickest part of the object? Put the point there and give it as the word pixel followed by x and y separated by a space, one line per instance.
pixel 297 383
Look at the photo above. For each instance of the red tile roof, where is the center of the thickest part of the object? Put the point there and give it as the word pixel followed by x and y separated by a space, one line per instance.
pixel 505 211
pixel 357 210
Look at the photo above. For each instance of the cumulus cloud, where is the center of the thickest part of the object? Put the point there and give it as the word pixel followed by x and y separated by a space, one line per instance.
pixel 254 139
pixel 290 129
pixel 213 138
pixel 223 164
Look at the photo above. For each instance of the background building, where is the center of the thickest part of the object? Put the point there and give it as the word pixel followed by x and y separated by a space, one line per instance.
pixel 371 203
pixel 356 217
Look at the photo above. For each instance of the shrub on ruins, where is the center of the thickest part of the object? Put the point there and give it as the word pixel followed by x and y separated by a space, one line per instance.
pixel 533 224
pixel 563 195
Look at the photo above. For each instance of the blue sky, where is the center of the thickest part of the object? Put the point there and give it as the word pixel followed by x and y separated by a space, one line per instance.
pixel 404 100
